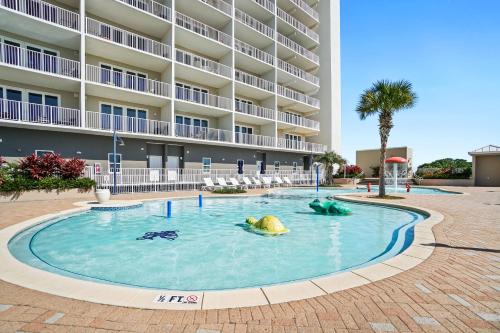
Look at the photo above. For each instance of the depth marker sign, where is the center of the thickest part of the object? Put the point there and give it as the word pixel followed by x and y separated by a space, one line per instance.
pixel 176 299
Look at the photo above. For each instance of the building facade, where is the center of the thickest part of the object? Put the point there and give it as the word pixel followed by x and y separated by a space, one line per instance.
pixel 184 83
pixel 369 159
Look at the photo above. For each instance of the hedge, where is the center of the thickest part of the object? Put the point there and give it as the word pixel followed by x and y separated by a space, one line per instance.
pixel 21 184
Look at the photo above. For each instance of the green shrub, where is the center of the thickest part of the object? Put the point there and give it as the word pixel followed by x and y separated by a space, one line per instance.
pixel 446 168
pixel 229 190
pixel 22 184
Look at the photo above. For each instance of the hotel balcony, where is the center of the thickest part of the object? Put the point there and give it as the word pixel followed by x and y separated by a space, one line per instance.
pixel 14 112
pixel 301 145
pixel 296 77
pixel 35 68
pixel 150 17
pixel 253 114
pixel 260 9
pixel 41 21
pixel 194 68
pixel 254 140
pixel 301 9
pixel 109 123
pixel 296 100
pixel 106 83
pixel 252 59
pixel 197 102
pixel 289 25
pixel 252 86
pixel 288 50
pixel 129 47
pixel 197 36
pixel 216 13
pixel 300 125
pixel 252 30
pixel 203 133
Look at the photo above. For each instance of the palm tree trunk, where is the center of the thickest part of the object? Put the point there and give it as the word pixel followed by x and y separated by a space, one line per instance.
pixel 381 174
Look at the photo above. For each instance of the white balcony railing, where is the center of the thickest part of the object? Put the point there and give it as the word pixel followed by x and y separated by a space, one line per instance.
pixel 253 80
pixel 253 52
pixel 287 42
pixel 199 97
pixel 126 81
pixel 297 25
pixel 203 133
pixel 306 8
pixel 255 140
pixel 109 122
pixel 254 110
pixel 297 120
pixel 152 7
pixel 220 5
pixel 205 64
pixel 44 11
pixel 253 23
pixel 315 147
pixel 125 38
pixel 38 113
pixel 266 4
pixel 301 145
pixel 295 71
pixel 297 96
pixel 202 29
pixel 46 63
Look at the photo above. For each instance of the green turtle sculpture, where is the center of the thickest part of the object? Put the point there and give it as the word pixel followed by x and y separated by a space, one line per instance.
pixel 329 208
pixel 268 225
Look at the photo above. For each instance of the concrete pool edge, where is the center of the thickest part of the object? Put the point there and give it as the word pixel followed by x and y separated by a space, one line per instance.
pixel 18 273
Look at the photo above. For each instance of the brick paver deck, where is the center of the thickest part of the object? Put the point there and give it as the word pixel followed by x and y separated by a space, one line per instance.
pixel 456 290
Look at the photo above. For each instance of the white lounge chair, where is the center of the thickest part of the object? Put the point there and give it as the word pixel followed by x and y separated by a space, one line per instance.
pixel 209 185
pixel 249 184
pixel 259 183
pixel 279 181
pixel 236 183
pixel 222 182
pixel 268 181
pixel 287 181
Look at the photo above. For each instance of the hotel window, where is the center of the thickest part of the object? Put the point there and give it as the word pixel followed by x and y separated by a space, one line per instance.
pixel 189 93
pixel 131 79
pixel 243 130
pixel 206 164
pixel 276 165
pixel 242 105
pixel 293 141
pixel 112 165
pixel 41 152
pixel 294 167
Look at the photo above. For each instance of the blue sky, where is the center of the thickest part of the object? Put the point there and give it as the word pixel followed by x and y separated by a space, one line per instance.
pixel 448 49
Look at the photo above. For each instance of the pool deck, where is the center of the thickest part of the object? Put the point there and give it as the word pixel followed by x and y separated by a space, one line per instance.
pixel 456 289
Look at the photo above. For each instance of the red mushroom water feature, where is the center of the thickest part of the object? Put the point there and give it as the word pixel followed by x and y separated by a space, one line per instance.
pixel 399 170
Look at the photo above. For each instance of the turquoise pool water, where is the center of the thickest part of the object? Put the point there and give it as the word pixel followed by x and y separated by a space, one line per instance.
pixel 213 249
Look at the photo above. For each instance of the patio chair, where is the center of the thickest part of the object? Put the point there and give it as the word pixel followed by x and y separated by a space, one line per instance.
pixel 287 181
pixel 279 181
pixel 209 185
pixel 222 182
pixel 268 181
pixel 259 183
pixel 249 183
pixel 236 183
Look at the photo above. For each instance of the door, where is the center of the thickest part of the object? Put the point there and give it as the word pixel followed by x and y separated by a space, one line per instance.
pixel 14 104
pixel 173 162
pixel 155 161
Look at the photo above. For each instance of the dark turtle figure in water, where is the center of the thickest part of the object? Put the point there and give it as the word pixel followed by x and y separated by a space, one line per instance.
pixel 170 235
pixel 329 208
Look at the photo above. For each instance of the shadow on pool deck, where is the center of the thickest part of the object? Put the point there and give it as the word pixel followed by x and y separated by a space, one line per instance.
pixel 462 247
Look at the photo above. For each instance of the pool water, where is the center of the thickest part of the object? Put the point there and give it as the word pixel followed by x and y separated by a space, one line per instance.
pixel 213 249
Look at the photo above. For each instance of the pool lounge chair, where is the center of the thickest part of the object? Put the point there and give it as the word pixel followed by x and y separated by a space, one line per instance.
pixel 259 183
pixel 268 181
pixel 236 183
pixel 279 181
pixel 249 184
pixel 222 182
pixel 287 181
pixel 209 185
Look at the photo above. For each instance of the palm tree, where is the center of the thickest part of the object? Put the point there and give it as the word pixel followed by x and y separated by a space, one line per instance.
pixel 385 98
pixel 328 159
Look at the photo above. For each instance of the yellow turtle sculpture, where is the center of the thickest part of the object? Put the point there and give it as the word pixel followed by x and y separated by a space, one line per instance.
pixel 268 225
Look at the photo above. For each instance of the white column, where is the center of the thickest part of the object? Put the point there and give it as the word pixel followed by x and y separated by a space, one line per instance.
pixel 83 108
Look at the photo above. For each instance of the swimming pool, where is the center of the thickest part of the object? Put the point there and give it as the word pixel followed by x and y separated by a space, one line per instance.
pixel 213 249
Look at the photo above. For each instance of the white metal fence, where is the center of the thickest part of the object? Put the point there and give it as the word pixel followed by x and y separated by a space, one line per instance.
pixel 253 52
pixel 108 122
pixel 200 62
pixel 220 5
pixel 202 29
pixel 295 71
pixel 253 80
pixel 38 113
pixel 195 95
pixel 151 7
pixel 298 96
pixel 203 133
pixel 253 23
pixel 254 110
pixel 253 139
pixel 297 48
pixel 297 24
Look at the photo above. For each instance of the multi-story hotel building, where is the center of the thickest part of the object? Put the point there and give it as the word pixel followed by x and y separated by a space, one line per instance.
pixel 185 83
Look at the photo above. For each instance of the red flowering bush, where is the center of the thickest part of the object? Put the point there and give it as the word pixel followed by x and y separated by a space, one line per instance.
pixel 73 168
pixel 2 160
pixel 353 171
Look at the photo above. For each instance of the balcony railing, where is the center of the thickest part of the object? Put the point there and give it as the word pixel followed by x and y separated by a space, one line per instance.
pixel 297 24
pixel 127 81
pixel 254 110
pixel 253 23
pixel 125 38
pixel 266 4
pixel 295 71
pixel 202 29
pixel 253 52
pixel 205 64
pixel 297 120
pixel 253 80
pixel 301 145
pixel 109 122
pixel 38 61
pixel 297 96
pixel 308 9
pixel 298 48
pixel 199 97
pixel 255 140
pixel 38 113
pixel 203 133
pixel 152 7
pixel 220 5
pixel 45 11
